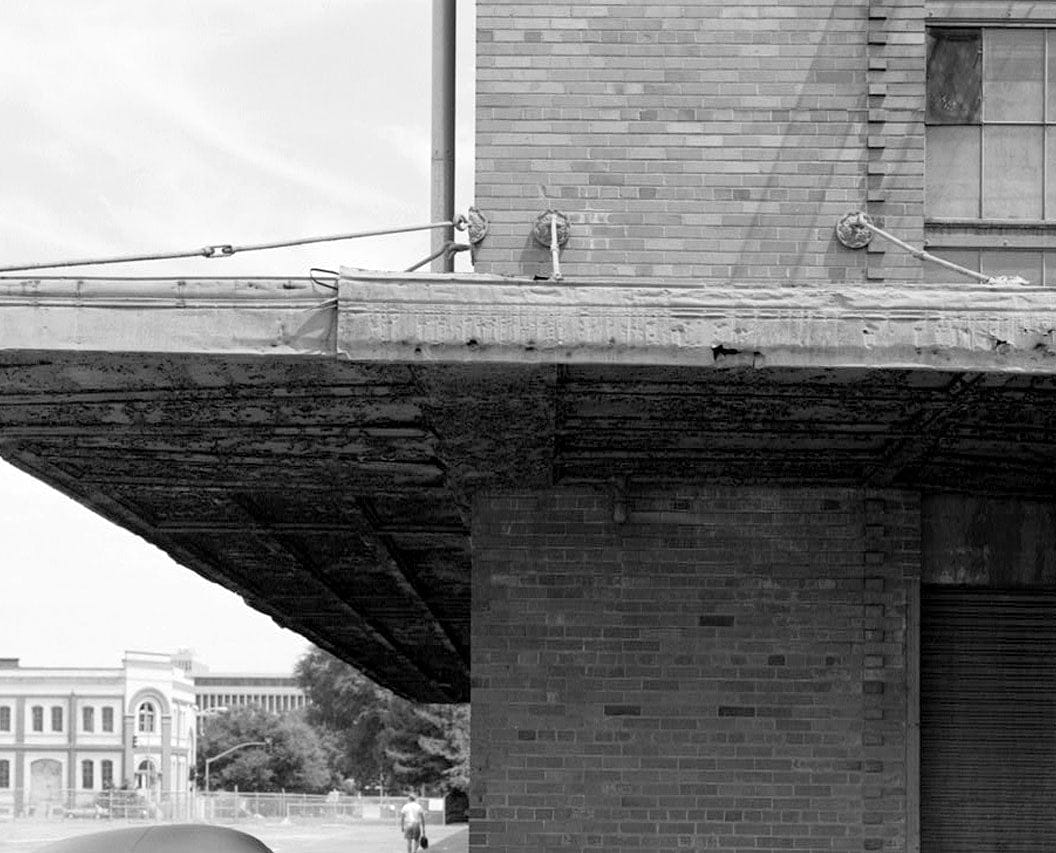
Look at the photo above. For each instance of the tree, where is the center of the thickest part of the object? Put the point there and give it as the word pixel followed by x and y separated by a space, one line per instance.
pixel 350 712
pixel 295 760
pixel 452 744
pixel 430 746
pixel 377 737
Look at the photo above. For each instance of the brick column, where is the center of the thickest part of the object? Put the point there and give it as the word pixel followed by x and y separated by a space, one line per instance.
pixel 891 562
pixel 722 670
pixel 895 142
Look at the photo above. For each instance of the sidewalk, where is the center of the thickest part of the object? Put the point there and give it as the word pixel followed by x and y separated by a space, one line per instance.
pixel 22 836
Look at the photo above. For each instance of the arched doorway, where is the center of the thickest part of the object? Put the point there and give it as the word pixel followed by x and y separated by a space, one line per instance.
pixel 45 786
pixel 146 776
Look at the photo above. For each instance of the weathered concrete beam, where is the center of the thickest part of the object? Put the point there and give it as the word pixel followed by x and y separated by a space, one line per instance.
pixel 247 316
pixel 426 317
pixel 401 317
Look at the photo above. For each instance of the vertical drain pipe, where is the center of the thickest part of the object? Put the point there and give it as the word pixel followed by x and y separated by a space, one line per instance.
pixel 443 167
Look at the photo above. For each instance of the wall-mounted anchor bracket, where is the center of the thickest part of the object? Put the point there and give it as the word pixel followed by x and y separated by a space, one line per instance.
pixel 551 230
pixel 475 224
pixel 852 230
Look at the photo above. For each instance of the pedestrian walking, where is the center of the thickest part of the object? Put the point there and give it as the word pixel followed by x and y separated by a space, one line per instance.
pixel 412 823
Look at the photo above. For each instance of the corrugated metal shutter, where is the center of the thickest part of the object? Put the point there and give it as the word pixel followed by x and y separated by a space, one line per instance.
pixel 988 721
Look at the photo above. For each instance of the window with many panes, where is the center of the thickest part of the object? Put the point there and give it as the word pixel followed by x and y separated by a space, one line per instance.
pixel 56 718
pixel 5 773
pixel 37 718
pixel 108 719
pixel 5 718
pixel 106 773
pixel 87 774
pixel 88 718
pixel 990 171
pixel 146 717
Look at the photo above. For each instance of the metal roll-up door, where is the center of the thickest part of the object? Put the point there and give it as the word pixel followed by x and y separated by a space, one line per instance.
pixel 988 721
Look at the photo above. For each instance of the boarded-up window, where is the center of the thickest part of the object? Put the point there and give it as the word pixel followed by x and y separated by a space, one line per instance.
pixel 955 92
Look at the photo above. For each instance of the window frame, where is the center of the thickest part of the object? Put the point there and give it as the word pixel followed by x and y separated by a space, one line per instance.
pixel 1046 125
pixel 5 774
pixel 106 722
pixel 146 713
pixel 87 775
pixel 945 234
pixel 88 718
pixel 58 716
pixel 36 718
pixel 5 718
pixel 106 773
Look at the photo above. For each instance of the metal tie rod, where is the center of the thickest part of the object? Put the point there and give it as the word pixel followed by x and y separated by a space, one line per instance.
pixel 855 230
pixel 225 250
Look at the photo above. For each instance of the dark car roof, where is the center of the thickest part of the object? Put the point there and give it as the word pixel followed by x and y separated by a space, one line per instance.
pixel 179 838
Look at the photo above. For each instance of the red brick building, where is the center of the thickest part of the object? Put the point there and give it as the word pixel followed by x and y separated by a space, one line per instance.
pixel 737 538
pixel 812 608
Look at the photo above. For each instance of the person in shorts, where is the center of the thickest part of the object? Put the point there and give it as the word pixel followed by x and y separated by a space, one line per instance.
pixel 412 823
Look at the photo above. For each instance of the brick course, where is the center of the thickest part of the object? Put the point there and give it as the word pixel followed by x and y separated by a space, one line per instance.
pixel 723 671
pixel 709 140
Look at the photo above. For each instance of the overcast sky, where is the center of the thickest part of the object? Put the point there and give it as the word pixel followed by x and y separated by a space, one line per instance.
pixel 140 126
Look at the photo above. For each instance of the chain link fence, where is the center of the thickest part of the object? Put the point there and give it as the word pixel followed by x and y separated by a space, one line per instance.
pixel 63 804
pixel 235 806
pixel 212 807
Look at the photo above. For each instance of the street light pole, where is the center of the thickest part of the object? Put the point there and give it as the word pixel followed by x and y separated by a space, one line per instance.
pixel 209 761
pixel 202 715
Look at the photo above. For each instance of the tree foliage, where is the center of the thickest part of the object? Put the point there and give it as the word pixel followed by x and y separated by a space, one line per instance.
pixel 295 759
pixel 375 737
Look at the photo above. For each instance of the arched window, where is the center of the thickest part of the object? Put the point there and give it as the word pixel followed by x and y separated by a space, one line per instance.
pixel 146 774
pixel 146 717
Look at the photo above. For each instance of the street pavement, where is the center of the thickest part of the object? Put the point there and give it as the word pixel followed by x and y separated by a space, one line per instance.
pixel 27 836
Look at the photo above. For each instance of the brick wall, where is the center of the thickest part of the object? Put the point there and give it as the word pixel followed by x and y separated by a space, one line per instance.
pixel 713 139
pixel 723 671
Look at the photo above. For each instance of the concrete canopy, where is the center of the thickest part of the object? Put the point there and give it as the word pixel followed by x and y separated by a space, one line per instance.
pixel 318 450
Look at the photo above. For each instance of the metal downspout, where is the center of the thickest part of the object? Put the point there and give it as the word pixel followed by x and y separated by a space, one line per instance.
pixel 443 165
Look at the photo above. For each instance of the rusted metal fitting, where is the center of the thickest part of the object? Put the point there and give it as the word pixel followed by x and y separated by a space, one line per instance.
pixel 851 230
pixel 476 226
pixel 541 231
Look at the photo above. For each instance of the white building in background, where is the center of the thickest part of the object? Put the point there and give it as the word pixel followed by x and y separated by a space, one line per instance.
pixel 275 693
pixel 272 692
pixel 67 734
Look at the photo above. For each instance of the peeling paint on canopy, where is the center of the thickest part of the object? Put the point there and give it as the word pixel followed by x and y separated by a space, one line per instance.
pixel 319 455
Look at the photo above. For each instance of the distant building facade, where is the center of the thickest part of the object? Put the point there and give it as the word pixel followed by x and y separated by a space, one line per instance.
pixel 67 734
pixel 276 694
pixel 272 692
